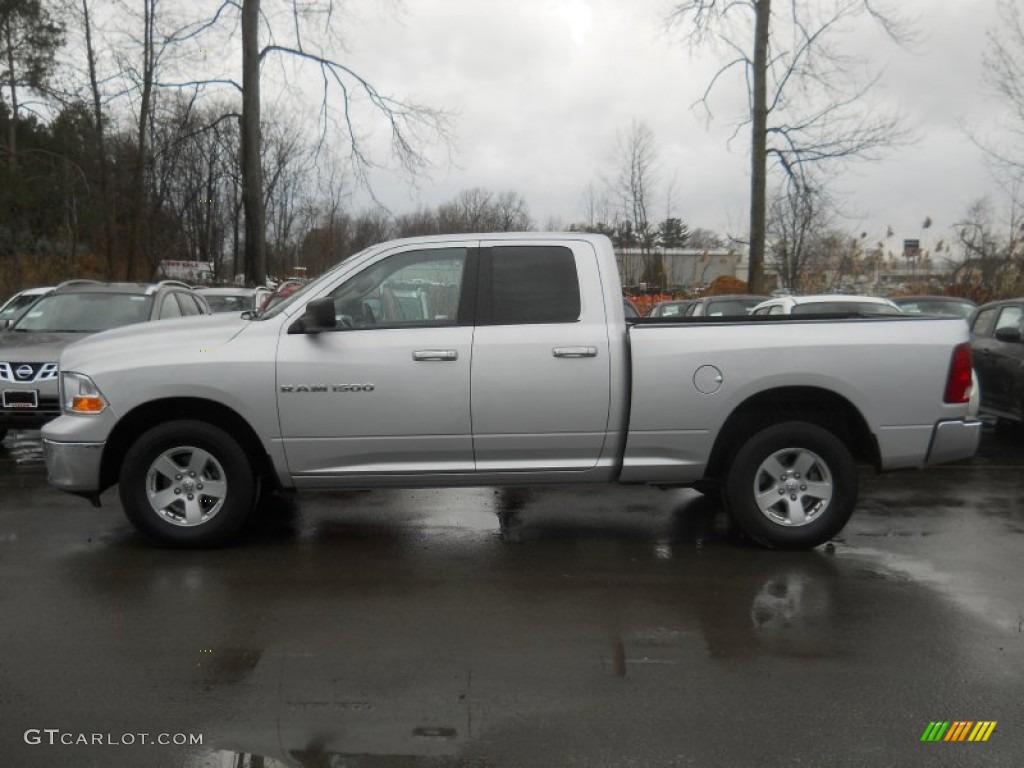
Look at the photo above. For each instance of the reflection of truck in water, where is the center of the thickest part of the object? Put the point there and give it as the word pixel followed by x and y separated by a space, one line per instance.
pixel 192 272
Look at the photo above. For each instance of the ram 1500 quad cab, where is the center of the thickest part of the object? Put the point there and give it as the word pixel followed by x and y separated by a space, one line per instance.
pixel 476 360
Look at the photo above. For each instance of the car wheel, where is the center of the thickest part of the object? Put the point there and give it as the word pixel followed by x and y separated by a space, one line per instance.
pixel 792 486
pixel 187 483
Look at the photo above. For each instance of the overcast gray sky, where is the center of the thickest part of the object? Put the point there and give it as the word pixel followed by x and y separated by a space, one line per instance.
pixel 541 88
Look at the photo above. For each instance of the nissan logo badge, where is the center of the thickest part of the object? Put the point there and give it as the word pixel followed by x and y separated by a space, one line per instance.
pixel 24 371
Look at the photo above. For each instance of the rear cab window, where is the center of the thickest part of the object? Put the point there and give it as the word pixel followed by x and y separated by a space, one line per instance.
pixel 528 284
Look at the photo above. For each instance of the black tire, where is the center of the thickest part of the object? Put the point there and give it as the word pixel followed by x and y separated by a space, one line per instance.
pixel 779 506
pixel 3 433
pixel 211 515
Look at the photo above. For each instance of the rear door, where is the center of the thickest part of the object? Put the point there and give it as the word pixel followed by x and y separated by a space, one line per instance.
pixel 541 370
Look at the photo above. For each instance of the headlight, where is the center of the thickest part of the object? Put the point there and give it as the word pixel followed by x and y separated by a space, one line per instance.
pixel 79 395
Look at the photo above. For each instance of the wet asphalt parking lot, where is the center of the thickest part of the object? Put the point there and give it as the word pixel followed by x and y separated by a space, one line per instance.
pixel 591 626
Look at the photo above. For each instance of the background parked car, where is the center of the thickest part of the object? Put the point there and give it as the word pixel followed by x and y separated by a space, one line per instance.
pixel 945 306
pixel 729 305
pixel 19 302
pixel 826 303
pixel 670 308
pixel 30 348
pixel 630 310
pixel 282 292
pixel 997 345
pixel 233 298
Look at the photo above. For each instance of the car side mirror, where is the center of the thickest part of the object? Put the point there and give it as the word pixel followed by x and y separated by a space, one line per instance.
pixel 1009 334
pixel 319 316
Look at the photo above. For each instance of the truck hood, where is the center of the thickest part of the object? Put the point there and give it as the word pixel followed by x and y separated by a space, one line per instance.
pixel 143 340
pixel 33 346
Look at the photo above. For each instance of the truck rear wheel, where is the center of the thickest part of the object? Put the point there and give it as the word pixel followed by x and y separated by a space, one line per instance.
pixel 187 483
pixel 792 485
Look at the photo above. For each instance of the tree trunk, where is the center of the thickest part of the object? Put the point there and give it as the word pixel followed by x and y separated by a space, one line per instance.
pixel 12 125
pixel 139 192
pixel 101 149
pixel 759 148
pixel 252 177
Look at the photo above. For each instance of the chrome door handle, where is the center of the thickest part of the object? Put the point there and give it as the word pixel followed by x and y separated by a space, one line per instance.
pixel 574 351
pixel 440 355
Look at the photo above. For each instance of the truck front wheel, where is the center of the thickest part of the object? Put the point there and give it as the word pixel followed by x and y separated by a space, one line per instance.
pixel 187 483
pixel 792 485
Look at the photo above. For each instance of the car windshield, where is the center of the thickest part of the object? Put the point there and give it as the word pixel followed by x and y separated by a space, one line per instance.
pixel 844 307
pixel 232 303
pixel 85 312
pixel 16 305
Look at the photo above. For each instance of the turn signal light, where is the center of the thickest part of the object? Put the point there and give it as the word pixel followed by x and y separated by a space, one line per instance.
pixel 87 403
pixel 958 383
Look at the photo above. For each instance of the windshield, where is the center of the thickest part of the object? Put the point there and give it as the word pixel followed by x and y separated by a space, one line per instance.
pixel 844 307
pixel 276 309
pixel 85 312
pixel 16 305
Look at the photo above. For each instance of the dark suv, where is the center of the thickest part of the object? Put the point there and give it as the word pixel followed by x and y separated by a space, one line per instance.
pixel 31 347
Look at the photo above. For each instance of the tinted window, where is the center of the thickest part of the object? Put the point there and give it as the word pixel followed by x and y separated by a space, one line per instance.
pixel 85 312
pixel 985 322
pixel 414 288
pixel 532 284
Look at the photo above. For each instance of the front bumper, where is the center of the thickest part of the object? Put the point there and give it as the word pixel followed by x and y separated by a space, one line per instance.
pixel 954 440
pixel 73 467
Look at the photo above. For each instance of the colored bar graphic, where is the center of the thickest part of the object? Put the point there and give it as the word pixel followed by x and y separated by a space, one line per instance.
pixel 935 730
pixel 958 730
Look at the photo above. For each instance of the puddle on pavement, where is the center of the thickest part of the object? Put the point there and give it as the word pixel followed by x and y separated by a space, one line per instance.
pixel 23 448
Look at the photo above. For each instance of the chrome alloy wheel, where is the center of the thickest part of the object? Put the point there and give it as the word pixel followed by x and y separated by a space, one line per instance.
pixel 793 487
pixel 186 486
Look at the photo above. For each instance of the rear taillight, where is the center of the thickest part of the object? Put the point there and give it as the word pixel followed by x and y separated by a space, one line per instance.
pixel 958 383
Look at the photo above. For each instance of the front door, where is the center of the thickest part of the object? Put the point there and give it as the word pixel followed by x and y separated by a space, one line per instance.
pixel 387 392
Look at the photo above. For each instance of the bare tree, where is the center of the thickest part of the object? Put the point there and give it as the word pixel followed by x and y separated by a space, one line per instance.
pixel 306 31
pixel 797 222
pixel 635 179
pixel 991 252
pixel 633 185
pixel 805 104
pixel 1004 71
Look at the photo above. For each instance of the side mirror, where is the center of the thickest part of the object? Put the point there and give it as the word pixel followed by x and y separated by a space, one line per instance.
pixel 1009 334
pixel 319 316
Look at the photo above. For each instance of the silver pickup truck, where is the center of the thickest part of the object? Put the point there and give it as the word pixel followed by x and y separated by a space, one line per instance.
pixel 476 360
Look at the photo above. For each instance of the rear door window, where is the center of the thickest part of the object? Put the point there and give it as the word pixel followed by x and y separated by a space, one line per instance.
pixel 527 284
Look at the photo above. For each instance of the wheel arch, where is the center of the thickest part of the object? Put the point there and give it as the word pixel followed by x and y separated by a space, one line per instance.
pixel 148 415
pixel 814 405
